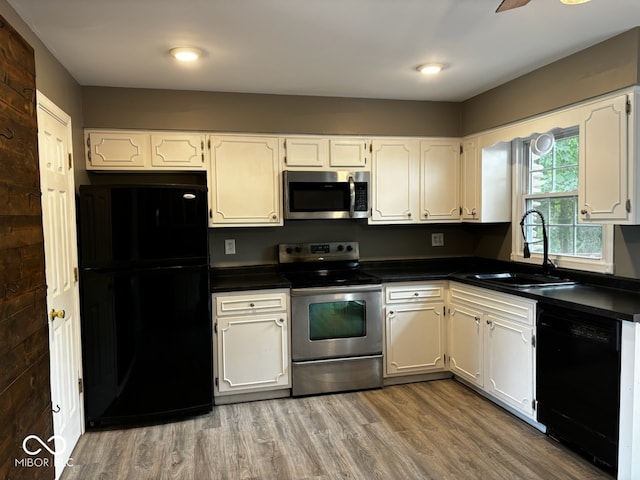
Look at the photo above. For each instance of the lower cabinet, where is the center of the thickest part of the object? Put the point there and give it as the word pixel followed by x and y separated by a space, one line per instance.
pixel 252 341
pixel 414 328
pixel 491 344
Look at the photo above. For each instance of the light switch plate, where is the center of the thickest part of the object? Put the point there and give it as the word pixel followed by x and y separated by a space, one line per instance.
pixel 230 246
pixel 437 239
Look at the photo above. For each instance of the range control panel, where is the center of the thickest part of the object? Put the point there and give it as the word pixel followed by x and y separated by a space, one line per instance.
pixel 318 252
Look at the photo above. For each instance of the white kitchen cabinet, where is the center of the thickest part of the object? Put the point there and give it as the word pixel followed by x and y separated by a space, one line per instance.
pixel 117 150
pixel 491 344
pixel 134 150
pixel 252 341
pixel 607 173
pixel 244 181
pixel 348 152
pixel 414 328
pixel 509 361
pixel 465 345
pixel 394 179
pixel 182 150
pixel 307 152
pixel 329 153
pixel 415 181
pixel 485 181
pixel 439 180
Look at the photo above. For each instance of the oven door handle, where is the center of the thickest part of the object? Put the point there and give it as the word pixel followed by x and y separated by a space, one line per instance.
pixel 352 196
pixel 296 292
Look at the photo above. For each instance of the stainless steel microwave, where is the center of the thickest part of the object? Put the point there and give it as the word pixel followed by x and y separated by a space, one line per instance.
pixel 326 194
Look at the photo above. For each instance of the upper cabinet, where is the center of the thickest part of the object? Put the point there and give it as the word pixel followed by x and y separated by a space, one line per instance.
pixel 394 180
pixel 439 180
pixel 315 153
pixel 126 150
pixel 184 150
pixel 348 152
pixel 244 181
pixel 415 181
pixel 117 150
pixel 485 181
pixel 607 190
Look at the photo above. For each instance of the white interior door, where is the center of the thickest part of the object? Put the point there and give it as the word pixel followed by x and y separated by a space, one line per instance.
pixel 59 225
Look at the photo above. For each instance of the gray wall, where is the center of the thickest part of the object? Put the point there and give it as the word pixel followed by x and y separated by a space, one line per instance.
pixel 601 68
pixel 239 112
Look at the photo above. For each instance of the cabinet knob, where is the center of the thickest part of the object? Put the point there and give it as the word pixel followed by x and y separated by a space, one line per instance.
pixel 409 214
pixel 426 214
pixel 415 294
pixel 584 211
pixel 274 217
pixel 252 304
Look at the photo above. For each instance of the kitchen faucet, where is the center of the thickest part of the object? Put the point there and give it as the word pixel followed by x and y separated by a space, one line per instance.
pixel 547 264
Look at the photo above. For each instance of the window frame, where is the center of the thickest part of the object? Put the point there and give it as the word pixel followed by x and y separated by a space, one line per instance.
pixel 520 195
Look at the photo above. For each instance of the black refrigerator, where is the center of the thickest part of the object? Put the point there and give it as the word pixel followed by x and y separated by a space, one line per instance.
pixel 145 303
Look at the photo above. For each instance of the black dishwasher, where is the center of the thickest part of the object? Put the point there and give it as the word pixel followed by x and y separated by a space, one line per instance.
pixel 578 381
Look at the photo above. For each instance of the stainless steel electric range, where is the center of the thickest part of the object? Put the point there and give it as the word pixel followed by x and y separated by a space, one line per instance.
pixel 336 318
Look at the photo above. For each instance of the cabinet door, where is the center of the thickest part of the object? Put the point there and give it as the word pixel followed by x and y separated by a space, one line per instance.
pixel 306 152
pixel 414 339
pixel 603 191
pixel 394 175
pixel 115 150
pixel 465 343
pixel 244 181
pixel 252 353
pixel 348 152
pixel 509 362
pixel 470 176
pixel 440 180
pixel 177 151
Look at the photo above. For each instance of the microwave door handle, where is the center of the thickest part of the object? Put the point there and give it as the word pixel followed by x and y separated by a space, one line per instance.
pixel 352 196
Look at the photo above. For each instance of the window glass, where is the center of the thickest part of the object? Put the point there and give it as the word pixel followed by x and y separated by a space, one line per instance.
pixel 552 189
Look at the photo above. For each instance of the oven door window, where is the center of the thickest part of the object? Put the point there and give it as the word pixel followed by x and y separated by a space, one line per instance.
pixel 343 319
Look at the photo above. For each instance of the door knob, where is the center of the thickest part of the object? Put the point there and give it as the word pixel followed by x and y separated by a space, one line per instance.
pixel 56 313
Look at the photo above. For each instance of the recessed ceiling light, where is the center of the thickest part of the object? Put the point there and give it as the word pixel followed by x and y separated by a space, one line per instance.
pixel 430 68
pixel 574 2
pixel 185 54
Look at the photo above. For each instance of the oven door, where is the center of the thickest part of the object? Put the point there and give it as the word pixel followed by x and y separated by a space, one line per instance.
pixel 335 322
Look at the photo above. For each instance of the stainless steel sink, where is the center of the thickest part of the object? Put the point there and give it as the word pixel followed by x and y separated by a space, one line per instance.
pixel 523 280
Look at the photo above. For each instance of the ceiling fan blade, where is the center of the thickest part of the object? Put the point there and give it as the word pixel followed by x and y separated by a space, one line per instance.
pixel 509 4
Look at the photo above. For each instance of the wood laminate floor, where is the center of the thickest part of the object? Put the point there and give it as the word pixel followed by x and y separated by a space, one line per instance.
pixel 431 430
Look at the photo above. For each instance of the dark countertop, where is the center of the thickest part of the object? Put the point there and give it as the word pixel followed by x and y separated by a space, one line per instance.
pixel 605 295
pixel 246 278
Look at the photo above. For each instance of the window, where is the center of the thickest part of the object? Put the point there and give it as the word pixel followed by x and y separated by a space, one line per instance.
pixel 548 174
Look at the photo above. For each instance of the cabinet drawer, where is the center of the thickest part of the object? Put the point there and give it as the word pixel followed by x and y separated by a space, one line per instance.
pixel 251 303
pixel 512 307
pixel 414 293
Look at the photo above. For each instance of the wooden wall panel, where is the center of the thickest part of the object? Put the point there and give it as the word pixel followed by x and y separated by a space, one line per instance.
pixel 25 395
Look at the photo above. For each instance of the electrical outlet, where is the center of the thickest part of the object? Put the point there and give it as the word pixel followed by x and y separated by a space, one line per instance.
pixel 230 247
pixel 437 239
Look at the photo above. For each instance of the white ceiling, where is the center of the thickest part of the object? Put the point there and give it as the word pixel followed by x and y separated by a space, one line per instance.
pixel 347 48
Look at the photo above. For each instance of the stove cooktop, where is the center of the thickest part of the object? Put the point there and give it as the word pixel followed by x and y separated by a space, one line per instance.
pixel 330 278
pixel 323 264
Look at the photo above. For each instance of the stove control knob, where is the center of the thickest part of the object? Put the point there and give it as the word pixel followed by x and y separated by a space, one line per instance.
pixel 298 249
pixel 340 248
pixel 289 250
pixel 349 248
